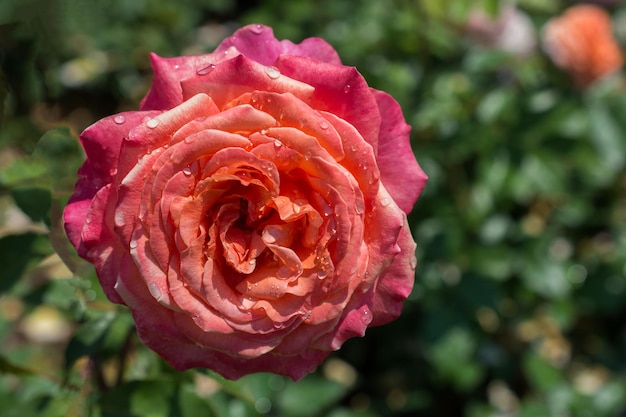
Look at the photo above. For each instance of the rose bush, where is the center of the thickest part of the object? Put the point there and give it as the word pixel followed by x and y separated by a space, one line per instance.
pixel 252 214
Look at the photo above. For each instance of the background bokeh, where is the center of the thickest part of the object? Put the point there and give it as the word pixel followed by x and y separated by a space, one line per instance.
pixel 519 300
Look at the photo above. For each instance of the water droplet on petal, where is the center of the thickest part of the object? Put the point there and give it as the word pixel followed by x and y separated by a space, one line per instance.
pixel 347 88
pixel 119 119
pixel 366 317
pixel 321 274
pixel 257 29
pixel 112 171
pixel 207 69
pixel 272 72
pixel 152 123
pixel 359 206
pixel 413 262
pixel 385 202
pixel 254 97
pixel 297 206
pixel 353 147
pixel 324 125
pixel 133 244
pixel 283 273
pixel 187 171
pixel 278 143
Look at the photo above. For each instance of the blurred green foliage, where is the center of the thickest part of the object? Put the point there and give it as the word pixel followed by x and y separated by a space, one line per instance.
pixel 519 301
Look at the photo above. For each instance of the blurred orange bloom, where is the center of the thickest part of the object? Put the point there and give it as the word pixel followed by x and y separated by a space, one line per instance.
pixel 581 42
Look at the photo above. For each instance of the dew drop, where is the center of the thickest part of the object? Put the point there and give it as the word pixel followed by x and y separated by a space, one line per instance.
pixel 269 238
pixel 413 262
pixel 359 206
pixel 366 317
pixel 152 123
pixel 347 88
pixel 278 143
pixel 119 219
pixel 324 125
pixel 272 72
pixel 321 274
pixel 385 202
pixel 133 244
pixel 353 147
pixel 187 171
pixel 254 97
pixel 257 29
pixel 283 273
pixel 207 69
pixel 112 171
pixel 297 206
pixel 119 119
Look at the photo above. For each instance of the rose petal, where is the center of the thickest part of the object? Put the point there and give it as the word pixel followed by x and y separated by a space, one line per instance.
pixel 399 170
pixel 239 75
pixel 258 43
pixel 337 88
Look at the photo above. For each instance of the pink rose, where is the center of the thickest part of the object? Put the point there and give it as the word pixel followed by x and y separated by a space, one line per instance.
pixel 252 214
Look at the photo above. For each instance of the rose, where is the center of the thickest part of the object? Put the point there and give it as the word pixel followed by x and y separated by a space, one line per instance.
pixel 252 215
pixel 510 31
pixel 581 42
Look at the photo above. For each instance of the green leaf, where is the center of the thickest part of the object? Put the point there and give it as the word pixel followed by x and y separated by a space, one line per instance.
pixel 607 136
pixel 452 357
pixel 89 338
pixel 34 202
pixel 156 398
pixel 61 155
pixel 542 375
pixel 9 368
pixel 23 172
pixel 17 253
pixel 191 404
pixel 309 396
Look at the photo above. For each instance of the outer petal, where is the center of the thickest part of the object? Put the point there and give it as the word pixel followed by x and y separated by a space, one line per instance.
pixel 399 170
pixel 240 75
pixel 257 42
pixel 337 89
pixel 396 282
pixel 166 91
